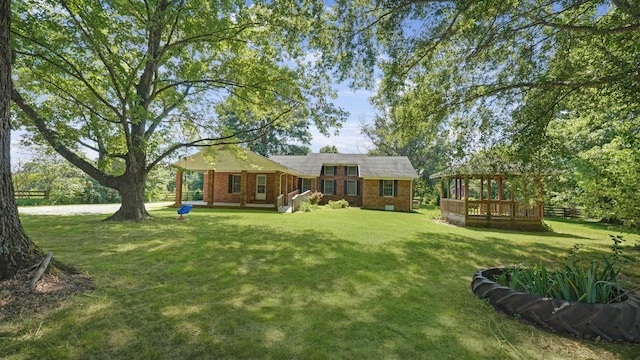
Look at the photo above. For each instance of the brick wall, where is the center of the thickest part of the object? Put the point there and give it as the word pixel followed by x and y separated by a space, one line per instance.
pixel 373 200
pixel 340 190
pixel 221 189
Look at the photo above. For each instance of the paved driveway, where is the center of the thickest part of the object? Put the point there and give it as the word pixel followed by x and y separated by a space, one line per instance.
pixel 82 209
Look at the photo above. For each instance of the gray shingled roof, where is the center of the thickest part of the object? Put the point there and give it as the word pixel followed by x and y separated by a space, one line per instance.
pixel 391 167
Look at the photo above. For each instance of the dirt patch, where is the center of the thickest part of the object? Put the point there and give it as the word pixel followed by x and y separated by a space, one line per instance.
pixel 17 298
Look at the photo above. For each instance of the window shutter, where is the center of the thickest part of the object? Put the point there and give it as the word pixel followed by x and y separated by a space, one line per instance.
pixel 322 186
pixel 395 188
pixel 300 184
pixel 230 184
pixel 358 188
pixel 335 191
pixel 335 170
pixel 345 188
pixel 381 188
pixel 346 172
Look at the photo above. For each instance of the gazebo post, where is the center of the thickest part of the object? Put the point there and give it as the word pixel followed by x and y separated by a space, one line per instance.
pixel 489 196
pixel 539 199
pixel 466 197
pixel 513 204
pixel 178 200
pixel 500 194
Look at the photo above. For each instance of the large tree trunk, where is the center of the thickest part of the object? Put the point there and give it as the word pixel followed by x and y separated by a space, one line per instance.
pixel 131 191
pixel 17 251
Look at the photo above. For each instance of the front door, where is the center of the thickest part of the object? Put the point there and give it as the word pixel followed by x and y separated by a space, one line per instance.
pixel 261 187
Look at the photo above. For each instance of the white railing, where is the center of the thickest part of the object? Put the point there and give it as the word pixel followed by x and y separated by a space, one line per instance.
pixel 291 195
pixel 299 199
pixel 279 201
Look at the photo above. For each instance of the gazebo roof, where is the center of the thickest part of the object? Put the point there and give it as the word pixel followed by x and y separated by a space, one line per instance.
pixel 485 165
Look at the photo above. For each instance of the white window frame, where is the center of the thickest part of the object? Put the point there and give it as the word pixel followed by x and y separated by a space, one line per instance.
pixel 326 172
pixel 355 168
pixel 305 185
pixel 236 183
pixel 333 191
pixel 355 188
pixel 386 188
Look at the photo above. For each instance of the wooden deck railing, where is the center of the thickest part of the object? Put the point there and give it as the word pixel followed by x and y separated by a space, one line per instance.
pixel 492 208
pixel 299 199
pixel 291 195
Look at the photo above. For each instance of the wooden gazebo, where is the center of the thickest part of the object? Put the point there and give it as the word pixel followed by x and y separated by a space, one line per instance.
pixel 504 196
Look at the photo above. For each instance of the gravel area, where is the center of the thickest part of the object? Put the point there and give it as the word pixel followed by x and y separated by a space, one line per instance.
pixel 82 209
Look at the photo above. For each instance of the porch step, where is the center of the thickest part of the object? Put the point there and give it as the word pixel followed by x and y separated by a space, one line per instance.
pixel 285 209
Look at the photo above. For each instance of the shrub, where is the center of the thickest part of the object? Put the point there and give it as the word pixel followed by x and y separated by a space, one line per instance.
pixel 306 206
pixel 314 198
pixel 338 204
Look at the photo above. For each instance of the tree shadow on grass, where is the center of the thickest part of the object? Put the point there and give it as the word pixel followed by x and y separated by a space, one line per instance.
pixel 596 225
pixel 453 259
pixel 265 292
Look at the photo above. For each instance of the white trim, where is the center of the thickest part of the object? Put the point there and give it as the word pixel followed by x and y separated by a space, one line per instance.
pixel 261 196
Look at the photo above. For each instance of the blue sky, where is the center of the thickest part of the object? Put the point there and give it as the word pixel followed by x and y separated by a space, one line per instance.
pixel 349 139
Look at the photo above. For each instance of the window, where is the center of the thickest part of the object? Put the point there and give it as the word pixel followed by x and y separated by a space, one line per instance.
pixel 234 184
pixel 328 187
pixel 387 188
pixel 352 188
pixel 329 170
pixel 305 185
pixel 352 171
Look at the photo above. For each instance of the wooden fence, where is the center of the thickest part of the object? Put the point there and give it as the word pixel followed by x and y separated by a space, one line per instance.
pixel 31 194
pixel 562 212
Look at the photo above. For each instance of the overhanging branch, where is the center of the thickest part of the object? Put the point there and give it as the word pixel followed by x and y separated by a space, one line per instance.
pixel 223 140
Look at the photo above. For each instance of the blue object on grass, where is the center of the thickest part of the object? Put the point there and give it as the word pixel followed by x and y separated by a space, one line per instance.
pixel 184 209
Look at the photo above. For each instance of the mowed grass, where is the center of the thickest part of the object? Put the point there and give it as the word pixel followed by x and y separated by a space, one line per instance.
pixel 329 284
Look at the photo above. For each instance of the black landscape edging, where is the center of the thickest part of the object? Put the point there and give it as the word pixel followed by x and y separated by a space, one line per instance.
pixel 614 322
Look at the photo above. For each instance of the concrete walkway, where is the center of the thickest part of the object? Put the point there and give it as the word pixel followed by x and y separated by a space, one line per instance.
pixel 84 209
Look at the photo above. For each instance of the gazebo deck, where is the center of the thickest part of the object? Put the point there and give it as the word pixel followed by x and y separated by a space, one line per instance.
pixel 505 214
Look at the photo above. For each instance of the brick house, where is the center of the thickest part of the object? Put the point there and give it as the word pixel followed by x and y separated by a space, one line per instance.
pixel 251 180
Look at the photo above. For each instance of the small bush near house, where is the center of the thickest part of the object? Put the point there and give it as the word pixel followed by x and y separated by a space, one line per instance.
pixel 338 204
pixel 314 198
pixel 306 206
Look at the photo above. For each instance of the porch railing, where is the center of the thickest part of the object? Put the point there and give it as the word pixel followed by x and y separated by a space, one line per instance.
pixel 299 199
pixel 492 208
pixel 291 195
pixel 280 201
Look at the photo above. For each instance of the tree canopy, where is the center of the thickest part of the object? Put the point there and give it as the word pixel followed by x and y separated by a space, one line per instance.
pixel 131 82
pixel 556 81
pixel 329 149
pixel 499 68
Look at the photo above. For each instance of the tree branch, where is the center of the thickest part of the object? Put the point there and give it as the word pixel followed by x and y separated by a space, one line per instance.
pixel 97 49
pixel 52 138
pixel 223 140
pixel 75 73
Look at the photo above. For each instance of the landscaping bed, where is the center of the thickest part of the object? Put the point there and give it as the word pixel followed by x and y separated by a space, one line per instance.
pixel 612 322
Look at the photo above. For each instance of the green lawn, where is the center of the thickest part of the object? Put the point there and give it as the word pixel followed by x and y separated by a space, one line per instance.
pixel 329 284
